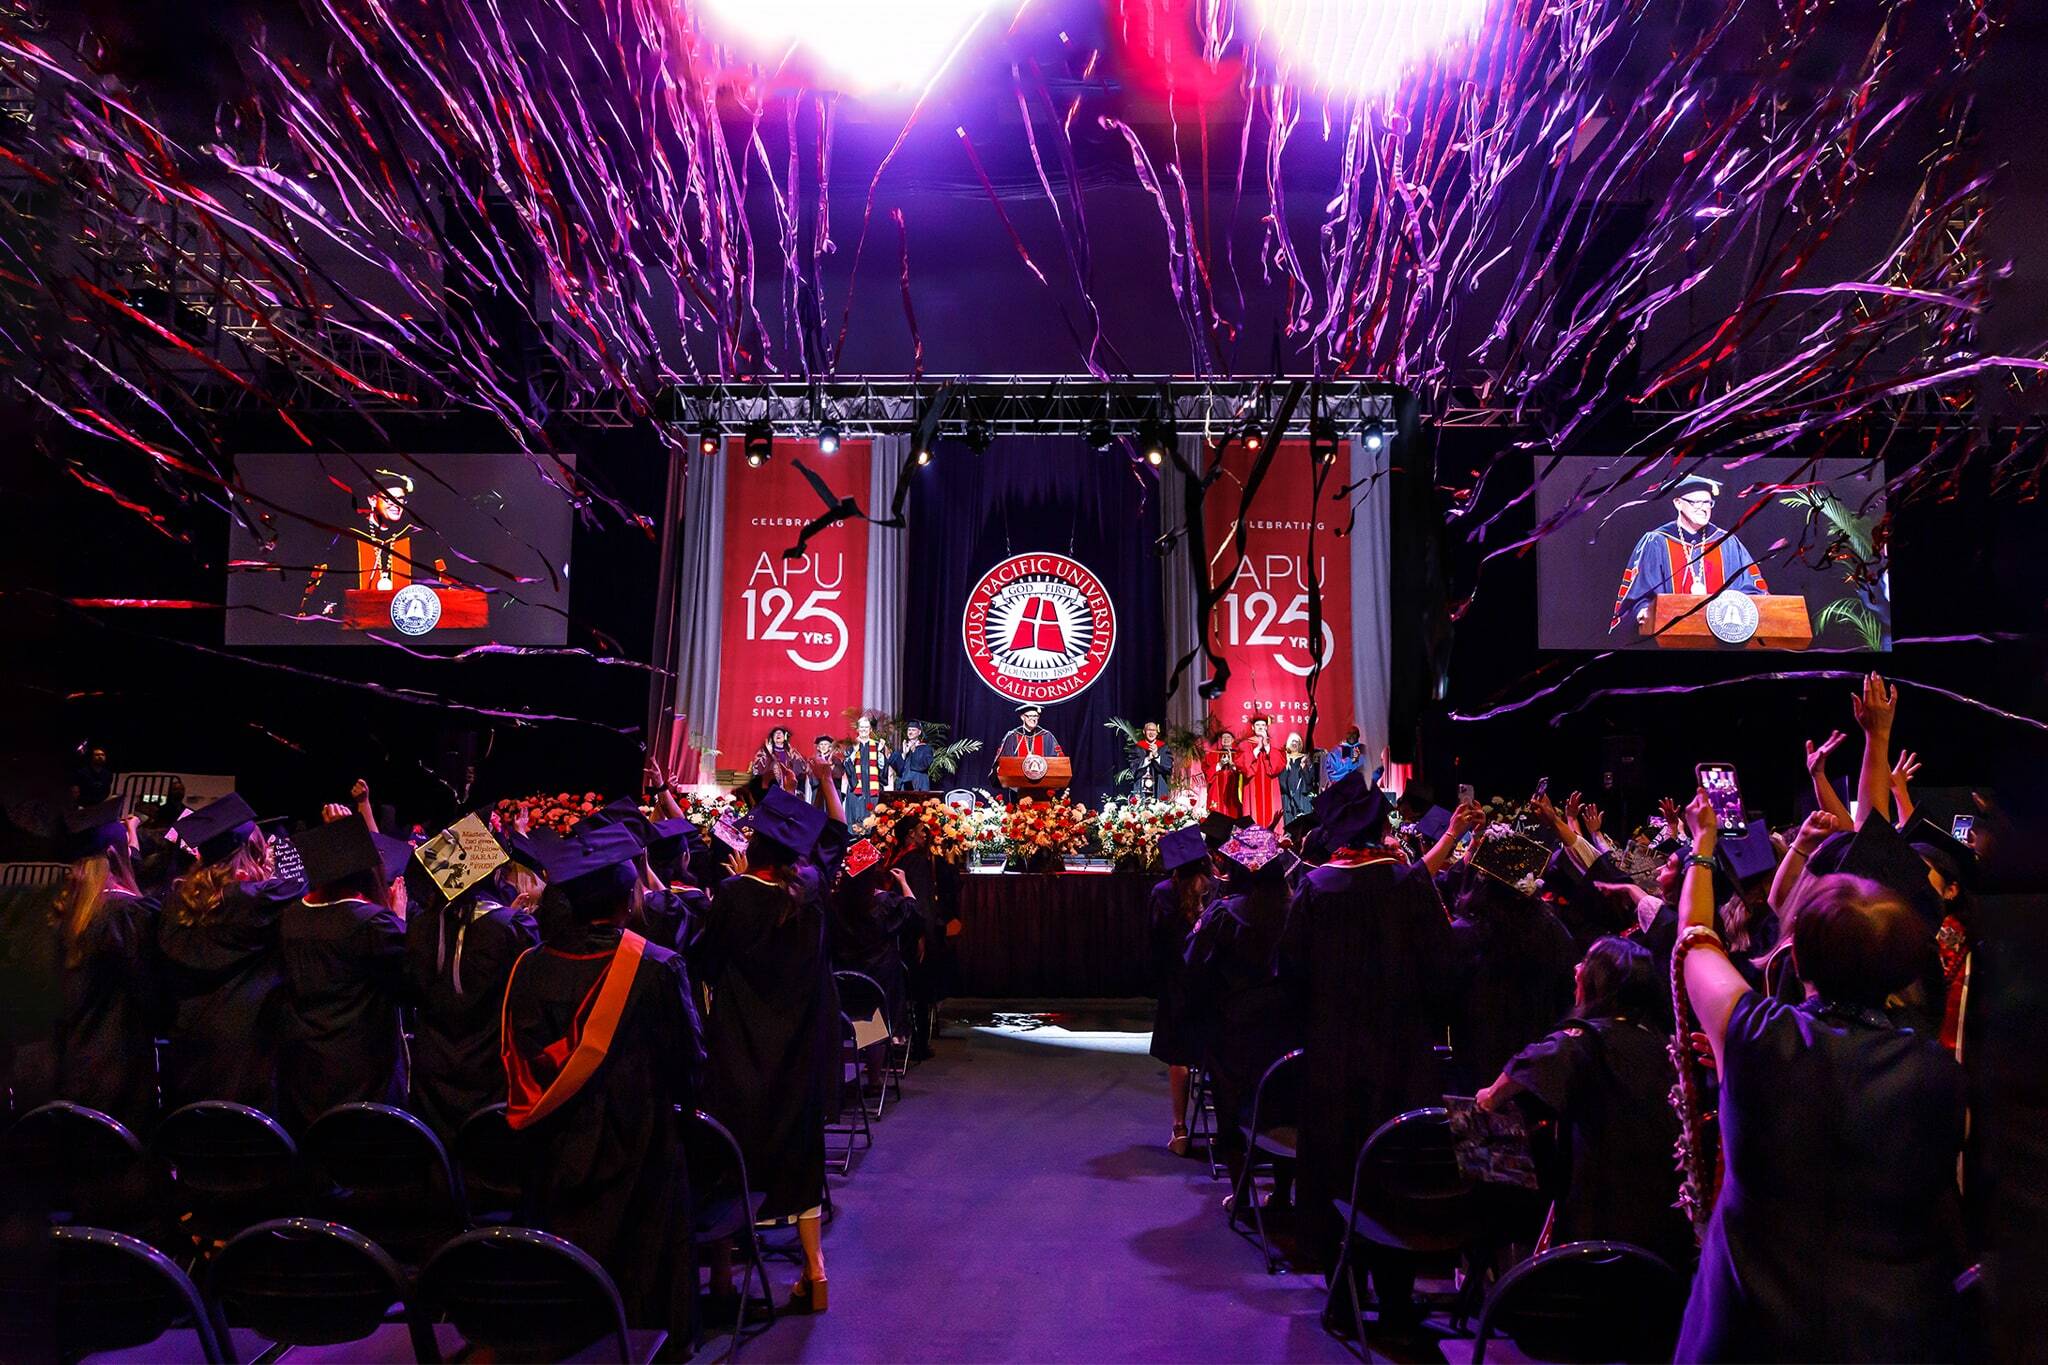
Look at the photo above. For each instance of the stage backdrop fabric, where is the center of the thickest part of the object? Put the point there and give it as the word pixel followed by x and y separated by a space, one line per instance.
pixel 1261 625
pixel 792 645
pixel 1028 493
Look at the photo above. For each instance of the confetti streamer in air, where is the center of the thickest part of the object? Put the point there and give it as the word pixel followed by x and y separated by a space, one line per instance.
pixel 525 212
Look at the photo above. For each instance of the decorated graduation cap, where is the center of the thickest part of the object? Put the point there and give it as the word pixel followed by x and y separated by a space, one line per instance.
pixel 338 850
pixel 95 828
pixel 218 828
pixel 1350 810
pixel 794 824
pixel 1256 851
pixel 860 858
pixel 1179 847
pixel 460 856
pixel 1513 859
pixel 1695 483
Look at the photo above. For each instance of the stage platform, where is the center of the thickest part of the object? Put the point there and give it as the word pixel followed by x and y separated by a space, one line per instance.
pixel 1054 936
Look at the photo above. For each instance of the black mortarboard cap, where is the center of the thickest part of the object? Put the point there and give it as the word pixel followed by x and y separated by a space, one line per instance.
pixel 672 838
pixel 588 849
pixel 793 823
pixel 1433 823
pixel 394 853
pixel 1881 854
pixel 217 828
pixel 1752 854
pixel 1348 811
pixel 1299 827
pixel 1179 847
pixel 1692 481
pixel 1217 828
pixel 337 850
pixel 1926 837
pixel 1024 706
pixel 622 813
pixel 95 828
pixel 529 850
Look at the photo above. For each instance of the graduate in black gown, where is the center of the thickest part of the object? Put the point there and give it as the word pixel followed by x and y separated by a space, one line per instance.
pixel 1298 776
pixel 1250 1013
pixel 1369 946
pixel 106 1042
pixel 460 953
pixel 223 983
pixel 868 908
pixel 1516 961
pixel 1172 911
pixel 343 953
pixel 773 1038
pixel 602 1048
pixel 1604 1077
pixel 931 966
pixel 1836 1235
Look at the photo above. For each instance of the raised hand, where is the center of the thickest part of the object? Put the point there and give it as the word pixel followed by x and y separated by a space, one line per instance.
pixel 360 792
pixel 333 811
pixel 1814 831
pixel 1574 808
pixel 1875 706
pixel 1540 807
pixel 1817 755
pixel 736 865
pixel 1701 821
pixel 1673 822
pixel 1591 818
pixel 902 882
pixel 1906 769
pixel 1469 815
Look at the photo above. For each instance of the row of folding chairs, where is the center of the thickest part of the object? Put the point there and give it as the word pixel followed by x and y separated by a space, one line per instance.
pixel 304 1282
pixel 213 1170
pixel 869 1041
pixel 1409 1198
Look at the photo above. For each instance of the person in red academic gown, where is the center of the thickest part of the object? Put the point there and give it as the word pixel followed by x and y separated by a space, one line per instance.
pixel 343 953
pixel 1226 777
pixel 602 1052
pixel 1261 775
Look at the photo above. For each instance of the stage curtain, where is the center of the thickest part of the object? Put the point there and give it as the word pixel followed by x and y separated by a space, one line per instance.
pixel 1371 604
pixel 698 628
pixel 967 513
pixel 888 553
pixel 1177 589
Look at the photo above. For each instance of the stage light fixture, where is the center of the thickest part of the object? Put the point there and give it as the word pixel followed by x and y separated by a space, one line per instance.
pixel 1322 441
pixel 1099 434
pixel 980 435
pixel 710 437
pixel 1155 439
pixel 828 437
pixel 1375 437
pixel 760 442
pixel 1254 437
pixel 924 456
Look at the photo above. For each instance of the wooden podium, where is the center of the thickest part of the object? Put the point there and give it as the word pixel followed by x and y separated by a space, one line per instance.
pixel 1057 774
pixel 370 608
pixel 1678 620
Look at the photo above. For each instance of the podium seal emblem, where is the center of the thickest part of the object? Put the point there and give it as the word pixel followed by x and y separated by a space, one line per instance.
pixel 1034 766
pixel 1732 617
pixel 1039 628
pixel 415 609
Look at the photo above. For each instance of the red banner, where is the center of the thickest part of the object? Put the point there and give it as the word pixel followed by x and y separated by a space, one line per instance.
pixel 1261 624
pixel 795 629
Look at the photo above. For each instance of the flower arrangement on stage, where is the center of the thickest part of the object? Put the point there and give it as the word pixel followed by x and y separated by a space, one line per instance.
pixel 556 813
pixel 1044 832
pixel 1129 830
pixel 702 810
pixel 950 833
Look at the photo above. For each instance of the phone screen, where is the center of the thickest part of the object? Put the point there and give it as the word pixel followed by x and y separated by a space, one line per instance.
pixel 1464 792
pixel 1960 827
pixel 1724 795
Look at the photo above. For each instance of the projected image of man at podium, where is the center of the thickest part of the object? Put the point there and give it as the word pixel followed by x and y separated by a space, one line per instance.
pixel 1026 742
pixel 1688 554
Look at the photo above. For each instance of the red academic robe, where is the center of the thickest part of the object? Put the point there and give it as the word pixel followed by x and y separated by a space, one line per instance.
pixel 1261 784
pixel 1226 785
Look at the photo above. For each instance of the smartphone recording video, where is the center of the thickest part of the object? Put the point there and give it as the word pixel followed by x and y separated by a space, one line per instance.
pixel 1724 795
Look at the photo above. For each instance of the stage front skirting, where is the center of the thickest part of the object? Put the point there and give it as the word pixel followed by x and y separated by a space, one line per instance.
pixel 1058 936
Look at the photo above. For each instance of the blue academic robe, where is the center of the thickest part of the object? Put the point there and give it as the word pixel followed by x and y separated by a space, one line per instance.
pixel 913 769
pixel 1671 559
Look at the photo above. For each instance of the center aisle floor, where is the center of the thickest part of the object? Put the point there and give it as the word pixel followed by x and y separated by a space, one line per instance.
pixel 1021 1205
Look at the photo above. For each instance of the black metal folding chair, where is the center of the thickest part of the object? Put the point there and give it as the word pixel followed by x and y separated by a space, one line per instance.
pixel 303 1282
pixel 1586 1301
pixel 115 1292
pixel 1202 1101
pixel 383 1172
pixel 724 1210
pixel 226 1167
pixel 1407 1196
pixel 1271 1143
pixel 80 1167
pixel 523 1294
pixel 488 1157
pixel 852 1075
pixel 862 997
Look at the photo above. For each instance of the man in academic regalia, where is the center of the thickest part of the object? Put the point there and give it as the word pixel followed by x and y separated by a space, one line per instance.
pixel 912 764
pixel 866 767
pixel 1370 946
pixel 1226 777
pixel 824 770
pixel 1150 765
pixel 1688 554
pixel 1342 759
pixel 343 954
pixel 1026 739
pixel 602 1047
